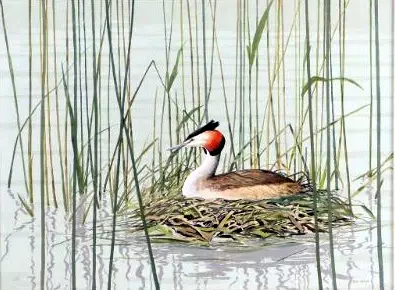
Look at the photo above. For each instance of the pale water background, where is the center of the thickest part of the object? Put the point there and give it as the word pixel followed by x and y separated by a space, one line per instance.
pixel 279 264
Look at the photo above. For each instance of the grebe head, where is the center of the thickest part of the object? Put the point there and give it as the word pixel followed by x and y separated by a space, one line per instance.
pixel 212 141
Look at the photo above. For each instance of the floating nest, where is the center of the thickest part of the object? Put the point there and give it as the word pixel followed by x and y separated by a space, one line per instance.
pixel 202 221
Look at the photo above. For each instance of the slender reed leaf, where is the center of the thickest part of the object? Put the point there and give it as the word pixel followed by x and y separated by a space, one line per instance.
pixel 252 49
pixel 378 146
pixel 315 79
pixel 170 79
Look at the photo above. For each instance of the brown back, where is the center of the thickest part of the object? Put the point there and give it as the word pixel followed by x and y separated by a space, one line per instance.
pixel 246 178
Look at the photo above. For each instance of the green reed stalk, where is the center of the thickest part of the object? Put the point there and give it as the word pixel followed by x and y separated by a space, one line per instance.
pixel 277 76
pixel 49 135
pixel 283 76
pixel 166 93
pixel 197 63
pixel 272 117
pixel 342 47
pixel 190 39
pixel 46 178
pixel 277 64
pixel 42 153
pixel 191 58
pixel 108 115
pixel 153 159
pixel 182 55
pixel 370 83
pixel 250 65
pixel 99 96
pixel 11 70
pixel 213 29
pixel 393 49
pixel 130 99
pixel 79 65
pixel 74 136
pixel 317 53
pixel 118 45
pixel 378 127
pixel 85 67
pixel 95 144
pixel 170 119
pixel 321 146
pixel 160 145
pixel 120 140
pixel 89 120
pixel 312 150
pixel 236 164
pixel 298 85
pixel 241 85
pixel 66 119
pixel 249 84
pixel 119 19
pixel 257 142
pixel 327 21
pixel 29 146
pixel 130 81
pixel 296 89
pixel 178 141
pixel 63 179
pixel 335 161
pixel 204 60
pixel 243 68
pixel 271 112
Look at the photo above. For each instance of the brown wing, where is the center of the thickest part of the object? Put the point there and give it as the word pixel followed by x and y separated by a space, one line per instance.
pixel 246 178
pixel 249 184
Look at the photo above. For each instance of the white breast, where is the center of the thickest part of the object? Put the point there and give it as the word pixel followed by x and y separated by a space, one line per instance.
pixel 194 184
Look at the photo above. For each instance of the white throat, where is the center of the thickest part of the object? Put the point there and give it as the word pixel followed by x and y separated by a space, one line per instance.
pixel 203 172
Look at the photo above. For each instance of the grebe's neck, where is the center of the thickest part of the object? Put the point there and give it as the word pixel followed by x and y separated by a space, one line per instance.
pixel 205 170
pixel 208 166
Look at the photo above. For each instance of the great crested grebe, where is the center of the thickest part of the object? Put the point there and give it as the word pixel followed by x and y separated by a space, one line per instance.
pixel 253 184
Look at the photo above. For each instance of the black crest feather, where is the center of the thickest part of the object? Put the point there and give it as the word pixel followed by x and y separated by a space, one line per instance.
pixel 208 127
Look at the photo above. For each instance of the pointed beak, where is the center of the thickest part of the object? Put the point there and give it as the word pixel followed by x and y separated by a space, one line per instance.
pixel 179 146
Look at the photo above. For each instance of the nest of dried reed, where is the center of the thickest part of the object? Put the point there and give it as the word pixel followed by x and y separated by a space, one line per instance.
pixel 201 221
